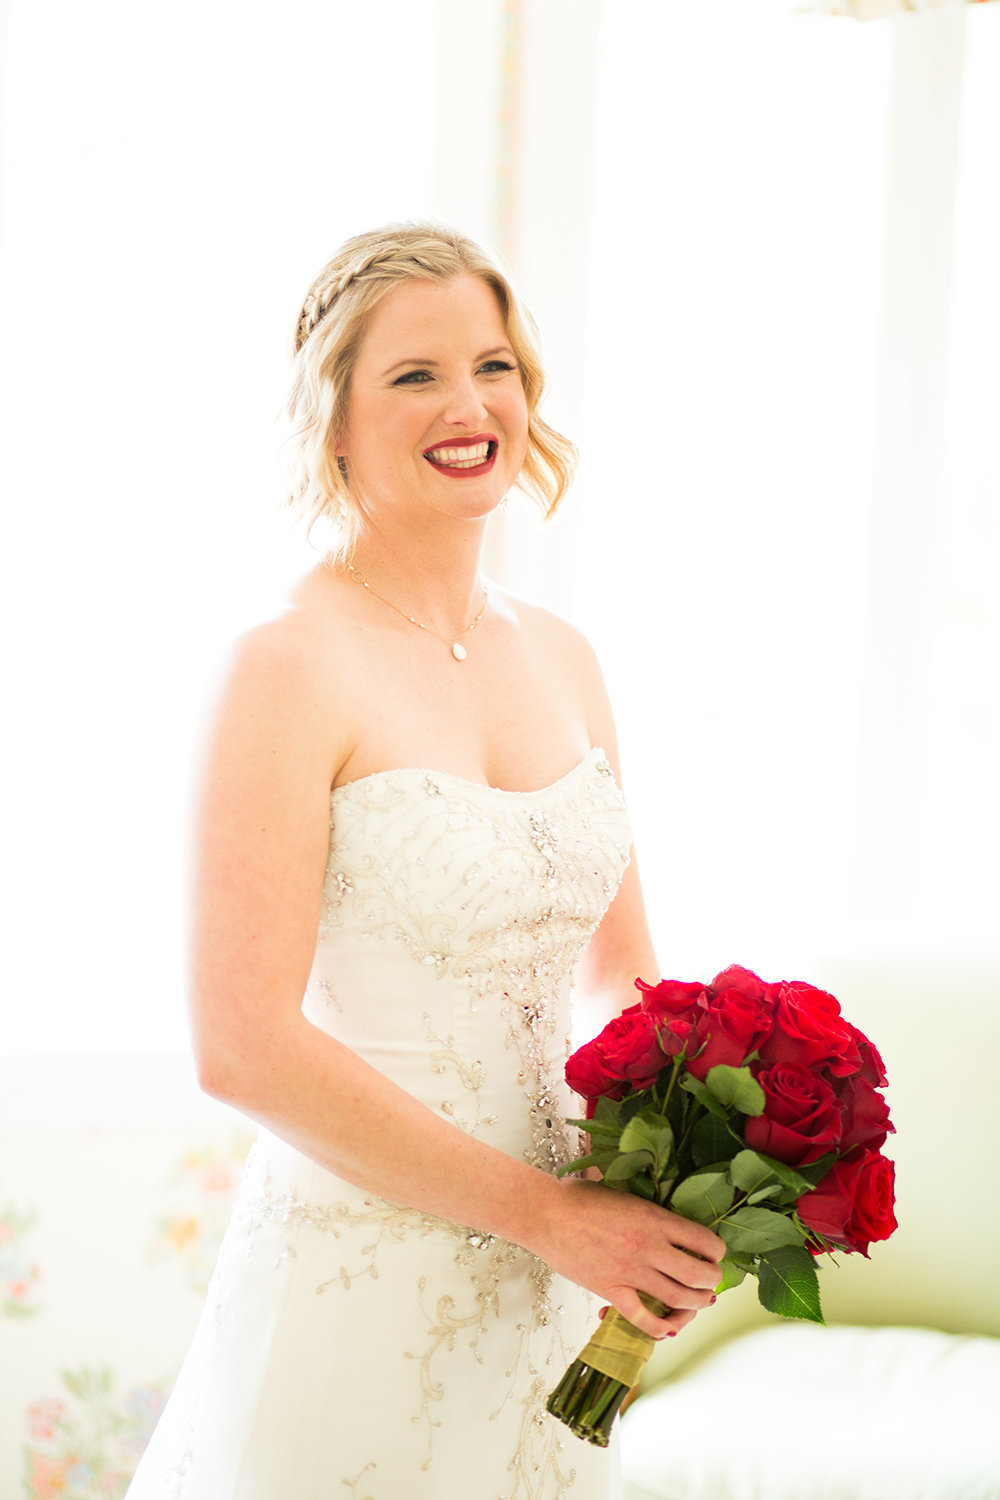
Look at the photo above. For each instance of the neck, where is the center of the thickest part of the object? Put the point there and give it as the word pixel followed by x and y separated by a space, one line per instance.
pixel 435 578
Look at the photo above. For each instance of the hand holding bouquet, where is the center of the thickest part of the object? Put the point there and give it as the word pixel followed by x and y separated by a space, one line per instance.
pixel 751 1108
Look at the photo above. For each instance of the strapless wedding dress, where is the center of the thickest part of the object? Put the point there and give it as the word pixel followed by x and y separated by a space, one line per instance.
pixel 356 1349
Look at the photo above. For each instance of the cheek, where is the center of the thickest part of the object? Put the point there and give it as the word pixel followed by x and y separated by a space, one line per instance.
pixel 516 421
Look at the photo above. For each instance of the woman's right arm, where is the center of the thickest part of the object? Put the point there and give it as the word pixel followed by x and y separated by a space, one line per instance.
pixel 261 848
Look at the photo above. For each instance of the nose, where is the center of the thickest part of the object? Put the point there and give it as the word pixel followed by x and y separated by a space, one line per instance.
pixel 464 406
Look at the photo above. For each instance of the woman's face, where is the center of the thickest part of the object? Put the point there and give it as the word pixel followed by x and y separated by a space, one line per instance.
pixel 437 422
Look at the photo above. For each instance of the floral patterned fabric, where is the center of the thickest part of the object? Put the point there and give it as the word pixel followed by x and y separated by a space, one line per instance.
pixel 116 1182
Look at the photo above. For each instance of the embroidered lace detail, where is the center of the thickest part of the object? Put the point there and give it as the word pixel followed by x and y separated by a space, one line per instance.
pixel 326 990
pixel 352 1484
pixel 497 891
pixel 264 1203
pixel 472 1076
pixel 484 1257
pixel 452 918
pixel 538 1467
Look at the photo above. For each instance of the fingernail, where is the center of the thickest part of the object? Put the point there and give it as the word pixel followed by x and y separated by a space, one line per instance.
pixel 714 1299
pixel 672 1334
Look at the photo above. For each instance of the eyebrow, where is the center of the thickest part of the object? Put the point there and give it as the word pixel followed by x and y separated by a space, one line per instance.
pixel 433 363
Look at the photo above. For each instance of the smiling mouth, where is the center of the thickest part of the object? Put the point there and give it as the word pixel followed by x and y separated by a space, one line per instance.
pixel 468 459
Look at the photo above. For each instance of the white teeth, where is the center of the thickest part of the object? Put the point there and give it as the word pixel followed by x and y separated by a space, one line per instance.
pixel 460 458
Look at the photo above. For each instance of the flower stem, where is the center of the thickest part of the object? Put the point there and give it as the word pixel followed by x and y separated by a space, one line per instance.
pixel 588 1402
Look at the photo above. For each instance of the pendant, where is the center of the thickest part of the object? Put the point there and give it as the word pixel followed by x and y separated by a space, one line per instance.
pixel 458 651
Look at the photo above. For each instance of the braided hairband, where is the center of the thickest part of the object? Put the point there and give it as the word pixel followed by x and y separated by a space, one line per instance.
pixel 319 303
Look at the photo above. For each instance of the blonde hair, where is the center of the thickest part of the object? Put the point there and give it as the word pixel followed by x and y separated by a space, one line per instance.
pixel 328 334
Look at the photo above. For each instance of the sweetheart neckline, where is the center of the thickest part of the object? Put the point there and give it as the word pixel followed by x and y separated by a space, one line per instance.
pixel 479 786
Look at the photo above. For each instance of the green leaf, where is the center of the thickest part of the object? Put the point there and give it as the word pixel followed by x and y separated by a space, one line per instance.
pixel 758 1230
pixel 765 1193
pixel 789 1285
pixel 749 1171
pixel 732 1274
pixel 628 1164
pixel 736 1088
pixel 712 1140
pixel 633 1105
pixel 598 1127
pixel 704 1096
pixel 596 1159
pixel 575 1166
pixel 815 1171
pixel 664 1189
pixel 606 1112
pixel 704 1196
pixel 651 1133
pixel 793 1178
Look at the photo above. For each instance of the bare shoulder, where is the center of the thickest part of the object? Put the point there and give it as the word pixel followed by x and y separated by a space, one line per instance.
pixel 551 633
pixel 573 658
pixel 282 686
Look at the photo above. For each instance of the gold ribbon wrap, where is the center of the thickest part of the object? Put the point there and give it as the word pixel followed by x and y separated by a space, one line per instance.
pixel 618 1348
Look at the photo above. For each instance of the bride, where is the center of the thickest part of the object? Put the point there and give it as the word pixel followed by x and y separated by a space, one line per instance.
pixel 410 839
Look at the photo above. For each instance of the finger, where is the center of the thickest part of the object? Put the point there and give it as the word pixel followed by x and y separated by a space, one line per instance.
pixel 690 1271
pixel 678 1319
pixel 676 1293
pixel 696 1238
pixel 628 1303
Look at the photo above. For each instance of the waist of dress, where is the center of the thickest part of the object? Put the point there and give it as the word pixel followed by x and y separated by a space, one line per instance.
pixel 282 1183
pixel 285 1195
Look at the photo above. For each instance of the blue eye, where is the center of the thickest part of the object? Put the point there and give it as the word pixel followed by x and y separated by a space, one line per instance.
pixel 413 377
pixel 497 366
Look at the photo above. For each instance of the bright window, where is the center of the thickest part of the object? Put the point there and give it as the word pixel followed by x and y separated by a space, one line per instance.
pixel 173 178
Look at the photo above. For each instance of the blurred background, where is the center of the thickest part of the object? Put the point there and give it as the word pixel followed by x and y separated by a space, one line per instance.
pixel 761 243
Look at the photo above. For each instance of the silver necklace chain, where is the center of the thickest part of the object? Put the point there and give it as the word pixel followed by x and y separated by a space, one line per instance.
pixel 458 651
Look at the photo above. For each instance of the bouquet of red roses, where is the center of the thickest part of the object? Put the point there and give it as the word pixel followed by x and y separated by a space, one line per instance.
pixel 753 1108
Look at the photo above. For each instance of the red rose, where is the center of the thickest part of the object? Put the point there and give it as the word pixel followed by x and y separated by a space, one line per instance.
pixel 675 1008
pixel 872 1066
pixel 728 1029
pixel 809 1030
pixel 866 1114
pixel 735 978
pixel 669 997
pixel 626 1052
pixel 853 1204
pixel 802 1117
pixel 587 1076
pixel 629 1049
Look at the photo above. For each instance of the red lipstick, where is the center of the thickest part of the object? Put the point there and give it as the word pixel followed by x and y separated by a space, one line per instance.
pixel 451 462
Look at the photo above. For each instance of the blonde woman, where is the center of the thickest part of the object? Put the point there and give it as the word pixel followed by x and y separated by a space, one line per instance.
pixel 411 839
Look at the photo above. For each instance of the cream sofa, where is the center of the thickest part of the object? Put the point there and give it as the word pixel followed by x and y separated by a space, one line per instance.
pixel 899 1398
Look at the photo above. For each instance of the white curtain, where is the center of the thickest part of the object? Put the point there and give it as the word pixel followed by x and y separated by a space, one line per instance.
pixel 788 518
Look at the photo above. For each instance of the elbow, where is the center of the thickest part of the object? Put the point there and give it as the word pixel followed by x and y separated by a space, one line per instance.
pixel 239 1066
pixel 214 1078
pixel 219 1070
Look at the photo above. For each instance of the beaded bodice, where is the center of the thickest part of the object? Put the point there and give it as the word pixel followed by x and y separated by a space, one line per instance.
pixel 452 920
